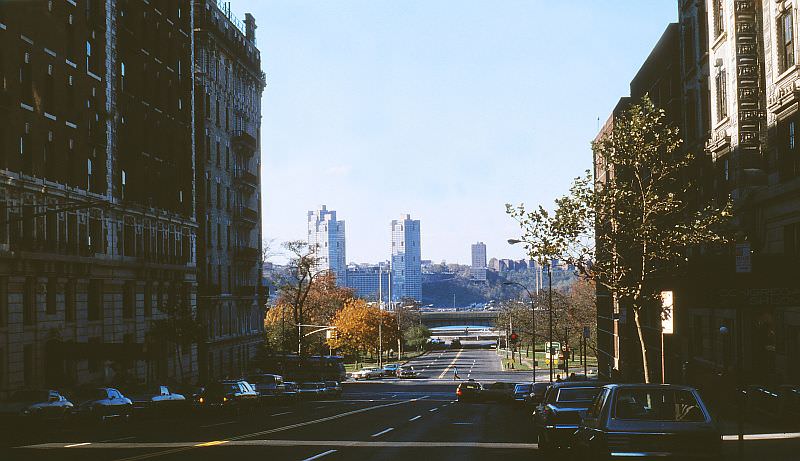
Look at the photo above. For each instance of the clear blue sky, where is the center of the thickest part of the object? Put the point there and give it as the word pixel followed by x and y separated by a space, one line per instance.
pixel 443 109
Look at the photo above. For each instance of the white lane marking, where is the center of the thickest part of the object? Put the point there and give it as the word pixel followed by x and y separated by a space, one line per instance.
pixel 434 409
pixel 774 436
pixel 463 424
pixel 281 414
pixel 225 423
pixel 378 434
pixel 83 444
pixel 455 359
pixel 415 418
pixel 324 453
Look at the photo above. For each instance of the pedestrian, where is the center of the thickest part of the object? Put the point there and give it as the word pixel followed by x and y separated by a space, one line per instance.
pixel 455 374
pixel 558 378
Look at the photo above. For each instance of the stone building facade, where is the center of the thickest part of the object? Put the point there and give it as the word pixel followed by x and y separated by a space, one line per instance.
pixel 97 229
pixel 229 83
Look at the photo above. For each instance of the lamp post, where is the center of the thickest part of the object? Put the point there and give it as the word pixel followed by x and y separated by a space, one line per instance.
pixel 533 324
pixel 549 305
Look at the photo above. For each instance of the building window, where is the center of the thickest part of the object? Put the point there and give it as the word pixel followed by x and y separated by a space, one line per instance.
pixel 69 301
pixel 722 95
pixel 52 291
pixel 26 79
pixel 89 179
pixel 129 300
pixel 719 17
pixel 786 40
pixel 122 76
pixel 29 302
pixel 95 301
pixel 790 157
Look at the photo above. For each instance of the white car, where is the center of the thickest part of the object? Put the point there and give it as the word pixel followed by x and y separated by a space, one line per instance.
pixel 407 372
pixel 367 373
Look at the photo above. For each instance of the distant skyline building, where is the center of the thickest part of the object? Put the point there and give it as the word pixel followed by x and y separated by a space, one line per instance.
pixel 406 259
pixel 326 240
pixel 478 268
pixel 364 279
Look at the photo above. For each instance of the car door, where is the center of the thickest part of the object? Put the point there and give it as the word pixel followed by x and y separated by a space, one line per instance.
pixel 592 423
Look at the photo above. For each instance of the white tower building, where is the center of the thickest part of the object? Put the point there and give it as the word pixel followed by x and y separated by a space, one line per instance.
pixel 326 241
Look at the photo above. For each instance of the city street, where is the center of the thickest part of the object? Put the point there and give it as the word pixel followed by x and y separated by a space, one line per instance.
pixel 374 420
pixel 389 419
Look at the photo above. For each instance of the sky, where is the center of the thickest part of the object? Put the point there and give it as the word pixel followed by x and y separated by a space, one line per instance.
pixel 446 110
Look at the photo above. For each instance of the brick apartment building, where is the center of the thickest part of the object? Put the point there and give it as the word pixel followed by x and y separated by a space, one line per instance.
pixel 97 228
pixel 228 88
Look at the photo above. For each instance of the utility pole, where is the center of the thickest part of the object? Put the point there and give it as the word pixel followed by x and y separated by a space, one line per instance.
pixel 380 316
pixel 550 308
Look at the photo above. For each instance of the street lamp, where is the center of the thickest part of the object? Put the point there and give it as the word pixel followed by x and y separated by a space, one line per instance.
pixel 533 323
pixel 549 307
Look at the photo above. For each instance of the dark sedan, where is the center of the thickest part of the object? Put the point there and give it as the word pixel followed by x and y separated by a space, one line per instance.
pixel 648 420
pixel 468 391
pixel 559 414
pixel 235 396
pixel 270 387
pixel 498 391
pixel 102 403
pixel 30 405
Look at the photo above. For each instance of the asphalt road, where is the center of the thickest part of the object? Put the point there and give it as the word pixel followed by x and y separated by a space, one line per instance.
pixel 374 420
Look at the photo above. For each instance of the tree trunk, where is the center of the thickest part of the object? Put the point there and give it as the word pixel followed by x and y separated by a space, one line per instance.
pixel 643 347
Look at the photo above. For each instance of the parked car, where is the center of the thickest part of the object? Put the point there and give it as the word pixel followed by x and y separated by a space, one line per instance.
pixel 469 391
pixel 648 420
pixel 522 392
pixel 235 396
pixel 498 391
pixel 155 399
pixel 333 388
pixel 101 403
pixel 537 393
pixel 367 373
pixel 34 405
pixel 407 372
pixel 390 369
pixel 290 391
pixel 559 414
pixel 311 391
pixel 269 387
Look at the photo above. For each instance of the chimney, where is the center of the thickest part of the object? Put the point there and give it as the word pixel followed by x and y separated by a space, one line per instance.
pixel 250 27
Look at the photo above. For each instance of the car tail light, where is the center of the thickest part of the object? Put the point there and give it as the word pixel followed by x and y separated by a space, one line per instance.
pixel 224 399
pixel 201 400
pixel 459 392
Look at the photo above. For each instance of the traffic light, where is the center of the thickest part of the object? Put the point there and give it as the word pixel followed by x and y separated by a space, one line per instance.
pixel 513 337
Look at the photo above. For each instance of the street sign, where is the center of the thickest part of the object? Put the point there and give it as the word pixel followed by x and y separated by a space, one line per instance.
pixel 667 324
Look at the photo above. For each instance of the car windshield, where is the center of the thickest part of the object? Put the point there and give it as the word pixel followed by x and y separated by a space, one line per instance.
pixel 658 405
pixel 577 394
pixel 29 396
pixel 469 386
pixel 522 388
pixel 261 379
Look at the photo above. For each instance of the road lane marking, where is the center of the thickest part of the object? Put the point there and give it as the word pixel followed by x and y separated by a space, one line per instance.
pixel 183 446
pixel 463 424
pixel 324 453
pixel 268 431
pixel 415 418
pixel 211 444
pixel 434 409
pixel 83 444
pixel 455 359
pixel 378 434
pixel 225 423
pixel 281 414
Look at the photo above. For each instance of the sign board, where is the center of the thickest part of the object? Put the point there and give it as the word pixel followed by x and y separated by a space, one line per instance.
pixel 743 263
pixel 667 326
pixel 586 332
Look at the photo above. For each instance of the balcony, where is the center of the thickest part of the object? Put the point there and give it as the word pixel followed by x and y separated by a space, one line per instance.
pixel 247 215
pixel 245 140
pixel 245 177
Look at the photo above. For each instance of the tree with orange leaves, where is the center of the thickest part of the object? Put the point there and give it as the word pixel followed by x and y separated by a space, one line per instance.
pixel 357 327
